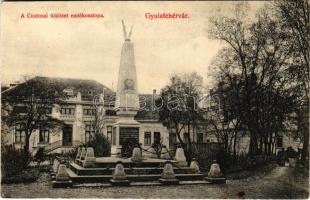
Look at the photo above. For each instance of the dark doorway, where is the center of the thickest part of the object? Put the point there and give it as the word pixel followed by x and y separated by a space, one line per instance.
pixel 128 138
pixel 67 135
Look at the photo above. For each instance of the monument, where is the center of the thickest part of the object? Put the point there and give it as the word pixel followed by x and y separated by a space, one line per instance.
pixel 126 129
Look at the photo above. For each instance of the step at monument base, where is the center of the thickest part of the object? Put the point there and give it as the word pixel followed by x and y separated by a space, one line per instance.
pixel 135 170
pixel 131 177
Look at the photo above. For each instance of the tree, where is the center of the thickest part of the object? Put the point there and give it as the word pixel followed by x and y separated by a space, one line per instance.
pixel 222 118
pixel 294 19
pixel 178 108
pixel 253 64
pixel 98 140
pixel 29 104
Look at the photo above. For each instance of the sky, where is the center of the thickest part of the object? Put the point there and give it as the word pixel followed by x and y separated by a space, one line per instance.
pixel 90 48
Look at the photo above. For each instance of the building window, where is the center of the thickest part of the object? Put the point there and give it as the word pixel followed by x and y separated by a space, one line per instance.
pixel 147 138
pixel 114 136
pixel 156 137
pixel 89 132
pixel 109 133
pixel 44 136
pixel 67 111
pixel 20 133
pixel 89 111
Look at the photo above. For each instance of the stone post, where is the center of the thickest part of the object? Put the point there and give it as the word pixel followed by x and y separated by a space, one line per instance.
pixel 168 176
pixel 55 166
pixel 119 177
pixel 180 157
pixel 136 155
pixel 62 177
pixel 194 166
pixel 90 159
pixel 215 174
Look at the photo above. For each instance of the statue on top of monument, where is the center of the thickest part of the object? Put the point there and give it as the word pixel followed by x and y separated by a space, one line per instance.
pixel 127 37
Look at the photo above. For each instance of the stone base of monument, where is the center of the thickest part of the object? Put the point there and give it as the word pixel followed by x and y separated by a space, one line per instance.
pixel 146 172
pixel 173 181
pixel 119 182
pixel 61 184
pixel 221 180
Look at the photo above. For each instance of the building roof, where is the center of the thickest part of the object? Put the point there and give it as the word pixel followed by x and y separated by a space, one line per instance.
pixel 77 85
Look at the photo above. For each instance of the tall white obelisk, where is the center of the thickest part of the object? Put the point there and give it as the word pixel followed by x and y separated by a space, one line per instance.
pixel 127 99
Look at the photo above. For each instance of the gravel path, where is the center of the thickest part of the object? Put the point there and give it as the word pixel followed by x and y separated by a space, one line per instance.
pixel 279 183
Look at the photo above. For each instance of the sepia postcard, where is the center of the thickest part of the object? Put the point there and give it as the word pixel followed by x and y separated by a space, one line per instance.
pixel 155 99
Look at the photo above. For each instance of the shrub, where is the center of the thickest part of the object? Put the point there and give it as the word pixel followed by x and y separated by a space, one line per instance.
pixel 13 161
pixel 230 163
pixel 26 176
pixel 101 145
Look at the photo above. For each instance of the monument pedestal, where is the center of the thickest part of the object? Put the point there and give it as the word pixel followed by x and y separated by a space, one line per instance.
pixel 127 133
